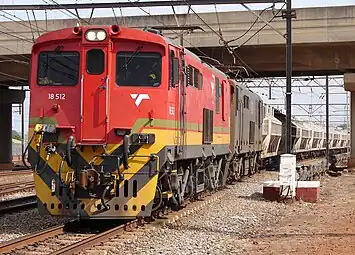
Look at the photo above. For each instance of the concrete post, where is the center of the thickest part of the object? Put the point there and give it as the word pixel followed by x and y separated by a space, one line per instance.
pixel 7 98
pixel 349 85
pixel 351 162
pixel 5 136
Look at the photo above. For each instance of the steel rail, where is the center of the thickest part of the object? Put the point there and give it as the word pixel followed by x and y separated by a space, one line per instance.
pixel 14 184
pixel 6 189
pixel 18 204
pixel 31 238
pixel 87 243
pixel 15 172
pixel 84 244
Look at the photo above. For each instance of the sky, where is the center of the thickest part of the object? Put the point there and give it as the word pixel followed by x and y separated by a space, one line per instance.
pixel 305 94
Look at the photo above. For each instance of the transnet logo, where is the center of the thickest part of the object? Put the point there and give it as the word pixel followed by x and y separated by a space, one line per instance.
pixel 139 98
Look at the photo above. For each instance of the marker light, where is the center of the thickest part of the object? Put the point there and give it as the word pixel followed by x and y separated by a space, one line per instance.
pixel 95 35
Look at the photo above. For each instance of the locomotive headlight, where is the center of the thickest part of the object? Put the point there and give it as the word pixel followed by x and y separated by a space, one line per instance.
pixel 95 35
pixel 91 36
pixel 101 35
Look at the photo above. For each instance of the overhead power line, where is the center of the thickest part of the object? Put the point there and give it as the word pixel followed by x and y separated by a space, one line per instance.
pixel 258 31
pixel 164 25
pixel 130 4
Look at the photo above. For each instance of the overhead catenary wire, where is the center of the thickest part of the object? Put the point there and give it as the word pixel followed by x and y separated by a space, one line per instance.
pixel 22 55
pixel 223 41
pixel 75 15
pixel 162 23
pixel 219 33
pixel 219 23
pixel 116 4
pixel 16 35
pixel 10 30
pixel 203 53
pixel 260 29
pixel 185 22
pixel 306 83
pixel 250 28
pixel 29 22
pixel 34 17
pixel 13 77
pixel 7 58
pixel 114 14
pixel 22 23
pixel 122 17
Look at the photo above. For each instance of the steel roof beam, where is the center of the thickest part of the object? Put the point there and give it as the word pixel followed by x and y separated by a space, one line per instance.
pixel 130 4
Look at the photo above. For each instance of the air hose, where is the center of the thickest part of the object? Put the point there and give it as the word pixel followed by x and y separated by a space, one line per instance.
pixel 103 196
pixel 70 145
pixel 38 154
pixel 24 153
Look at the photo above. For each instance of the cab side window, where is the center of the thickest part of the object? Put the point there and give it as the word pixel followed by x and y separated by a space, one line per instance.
pixel 194 77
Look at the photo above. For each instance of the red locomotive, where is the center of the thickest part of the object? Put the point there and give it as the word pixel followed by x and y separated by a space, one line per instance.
pixel 125 123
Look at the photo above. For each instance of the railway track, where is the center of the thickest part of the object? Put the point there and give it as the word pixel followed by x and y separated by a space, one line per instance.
pixel 15 172
pixel 17 204
pixel 72 238
pixel 66 239
pixel 9 188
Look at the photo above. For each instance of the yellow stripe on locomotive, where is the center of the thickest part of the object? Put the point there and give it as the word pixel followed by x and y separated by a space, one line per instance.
pixel 131 196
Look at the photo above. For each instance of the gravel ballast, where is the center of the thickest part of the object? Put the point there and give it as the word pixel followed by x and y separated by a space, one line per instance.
pixel 238 213
pixel 17 224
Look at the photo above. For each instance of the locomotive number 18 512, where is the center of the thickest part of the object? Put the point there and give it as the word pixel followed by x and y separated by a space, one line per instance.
pixel 52 96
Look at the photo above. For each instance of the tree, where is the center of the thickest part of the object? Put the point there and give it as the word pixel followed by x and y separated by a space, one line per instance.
pixel 16 135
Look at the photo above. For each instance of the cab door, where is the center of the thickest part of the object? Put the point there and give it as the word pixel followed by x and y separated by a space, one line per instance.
pixel 94 92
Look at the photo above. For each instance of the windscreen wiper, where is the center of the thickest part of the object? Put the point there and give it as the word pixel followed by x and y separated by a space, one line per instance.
pixel 125 66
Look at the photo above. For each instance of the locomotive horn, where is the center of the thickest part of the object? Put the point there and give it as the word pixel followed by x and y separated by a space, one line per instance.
pixel 115 29
pixel 77 30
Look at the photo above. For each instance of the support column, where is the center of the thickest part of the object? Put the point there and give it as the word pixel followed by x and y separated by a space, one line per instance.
pixel 349 85
pixel 351 162
pixel 7 98
pixel 5 136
